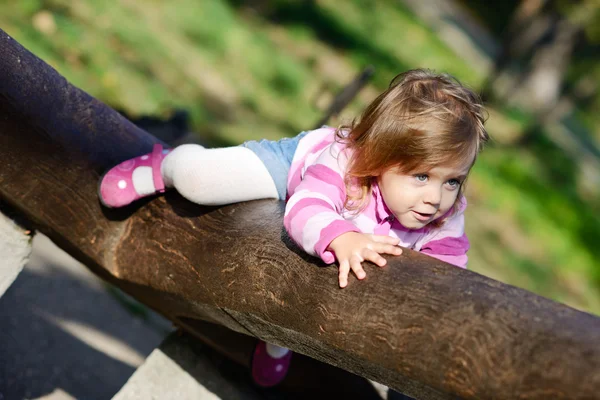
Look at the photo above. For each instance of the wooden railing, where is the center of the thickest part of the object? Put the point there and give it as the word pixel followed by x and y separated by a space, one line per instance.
pixel 419 325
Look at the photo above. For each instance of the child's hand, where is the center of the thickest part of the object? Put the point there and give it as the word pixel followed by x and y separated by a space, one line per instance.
pixel 352 248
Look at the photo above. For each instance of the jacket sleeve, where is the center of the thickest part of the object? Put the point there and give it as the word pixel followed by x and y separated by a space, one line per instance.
pixel 313 212
pixel 449 243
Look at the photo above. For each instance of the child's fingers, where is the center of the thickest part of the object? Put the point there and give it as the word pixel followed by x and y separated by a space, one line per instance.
pixel 385 239
pixel 374 257
pixel 343 273
pixel 388 249
pixel 356 266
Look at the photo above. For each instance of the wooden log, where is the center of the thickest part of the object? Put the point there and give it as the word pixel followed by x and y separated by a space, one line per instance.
pixel 419 325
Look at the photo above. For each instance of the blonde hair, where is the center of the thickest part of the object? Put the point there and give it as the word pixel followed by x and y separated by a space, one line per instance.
pixel 422 120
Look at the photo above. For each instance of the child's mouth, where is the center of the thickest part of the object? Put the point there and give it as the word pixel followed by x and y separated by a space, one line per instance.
pixel 422 216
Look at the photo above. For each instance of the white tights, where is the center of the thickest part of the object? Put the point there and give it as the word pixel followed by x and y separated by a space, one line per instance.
pixel 217 176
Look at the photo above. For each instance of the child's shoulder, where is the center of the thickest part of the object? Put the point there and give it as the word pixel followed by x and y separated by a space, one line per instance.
pixel 324 133
pixel 316 140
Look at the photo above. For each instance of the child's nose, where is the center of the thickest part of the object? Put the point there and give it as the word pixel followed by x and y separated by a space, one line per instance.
pixel 433 196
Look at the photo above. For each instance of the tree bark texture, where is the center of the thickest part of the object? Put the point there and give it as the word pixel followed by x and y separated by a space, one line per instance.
pixel 419 325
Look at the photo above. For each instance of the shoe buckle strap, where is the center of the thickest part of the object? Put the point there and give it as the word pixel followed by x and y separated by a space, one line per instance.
pixel 157 157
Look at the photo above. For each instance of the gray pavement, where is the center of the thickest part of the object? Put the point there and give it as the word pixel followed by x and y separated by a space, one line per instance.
pixel 65 335
pixel 184 369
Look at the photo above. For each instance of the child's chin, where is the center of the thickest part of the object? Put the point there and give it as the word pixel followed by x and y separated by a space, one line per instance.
pixel 413 224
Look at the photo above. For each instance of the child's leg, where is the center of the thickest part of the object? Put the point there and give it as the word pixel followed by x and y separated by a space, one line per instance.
pixel 217 176
pixel 276 351
pixel 270 364
pixel 204 176
pixel 255 170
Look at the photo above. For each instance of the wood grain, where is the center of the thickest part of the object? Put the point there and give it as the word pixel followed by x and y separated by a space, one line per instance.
pixel 419 325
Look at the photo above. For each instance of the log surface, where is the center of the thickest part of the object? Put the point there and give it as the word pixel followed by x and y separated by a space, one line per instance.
pixel 419 325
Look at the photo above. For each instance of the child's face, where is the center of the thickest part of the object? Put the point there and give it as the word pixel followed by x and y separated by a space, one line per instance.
pixel 419 198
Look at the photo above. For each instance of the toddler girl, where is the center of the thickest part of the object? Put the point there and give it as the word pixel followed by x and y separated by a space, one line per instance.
pixel 394 177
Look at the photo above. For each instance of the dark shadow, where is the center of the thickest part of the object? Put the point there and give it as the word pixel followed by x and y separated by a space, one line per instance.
pixel 307 378
pixel 186 208
pixel 169 129
pixel 39 356
pixel 221 376
pixel 26 374
pixel 393 395
pixel 123 213
pixel 294 248
pixel 493 15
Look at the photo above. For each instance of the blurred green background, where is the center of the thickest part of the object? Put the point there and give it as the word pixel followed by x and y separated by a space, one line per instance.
pixel 252 69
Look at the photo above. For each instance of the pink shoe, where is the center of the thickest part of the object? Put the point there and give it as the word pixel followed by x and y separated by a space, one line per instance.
pixel 133 179
pixel 268 370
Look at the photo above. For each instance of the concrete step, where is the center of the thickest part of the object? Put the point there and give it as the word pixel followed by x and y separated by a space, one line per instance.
pixel 181 368
pixel 15 248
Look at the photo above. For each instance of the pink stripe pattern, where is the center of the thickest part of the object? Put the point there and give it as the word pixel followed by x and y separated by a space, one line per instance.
pixel 315 213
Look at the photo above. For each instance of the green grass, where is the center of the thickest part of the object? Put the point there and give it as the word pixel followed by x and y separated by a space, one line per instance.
pixel 248 73
pixel 549 233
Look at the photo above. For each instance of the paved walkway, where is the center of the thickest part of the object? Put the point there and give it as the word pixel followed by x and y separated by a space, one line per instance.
pixel 63 335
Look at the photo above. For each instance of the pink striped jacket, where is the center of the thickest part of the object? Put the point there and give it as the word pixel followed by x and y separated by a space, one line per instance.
pixel 315 213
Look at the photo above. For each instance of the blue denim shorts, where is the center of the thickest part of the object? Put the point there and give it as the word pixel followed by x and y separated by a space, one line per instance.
pixel 277 155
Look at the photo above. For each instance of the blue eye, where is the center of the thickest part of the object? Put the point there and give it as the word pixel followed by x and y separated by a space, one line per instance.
pixel 453 183
pixel 421 177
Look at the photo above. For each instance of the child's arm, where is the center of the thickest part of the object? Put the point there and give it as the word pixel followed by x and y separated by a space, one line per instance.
pixel 312 214
pixel 313 220
pixel 449 243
